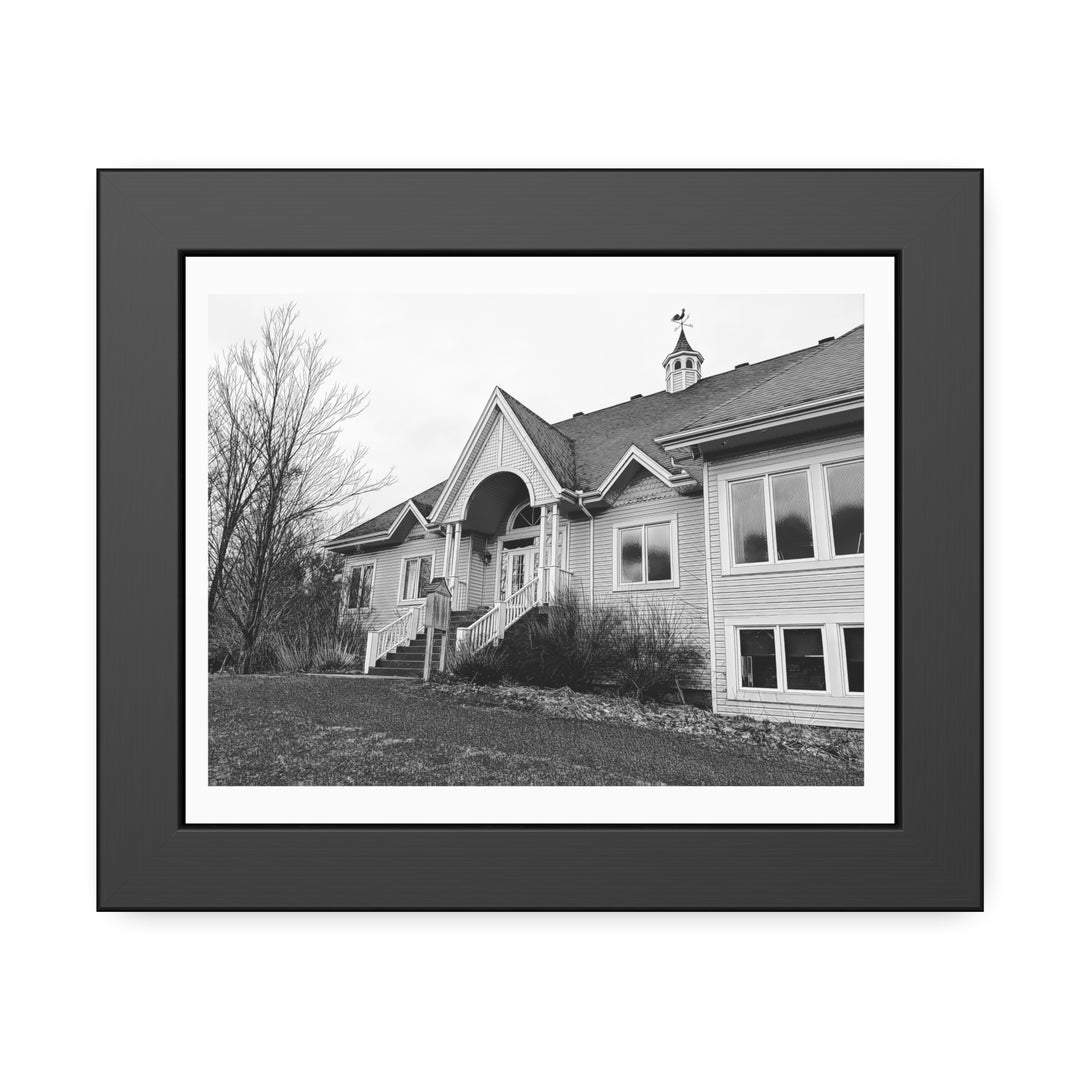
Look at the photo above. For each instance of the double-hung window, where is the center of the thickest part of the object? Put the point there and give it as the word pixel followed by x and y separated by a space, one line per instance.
pixel 361 579
pixel 771 520
pixel 646 556
pixel 417 577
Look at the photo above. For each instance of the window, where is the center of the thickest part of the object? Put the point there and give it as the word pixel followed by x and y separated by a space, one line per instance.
pixel 677 366
pixel 845 488
pixel 771 519
pixel 794 535
pixel 525 518
pixel 853 658
pixel 645 555
pixel 784 658
pixel 417 577
pixel 804 659
pixel 758 651
pixel 360 582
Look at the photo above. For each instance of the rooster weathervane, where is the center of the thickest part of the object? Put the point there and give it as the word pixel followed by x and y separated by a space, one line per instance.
pixel 680 320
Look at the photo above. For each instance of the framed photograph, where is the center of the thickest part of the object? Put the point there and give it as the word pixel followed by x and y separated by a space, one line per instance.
pixel 540 540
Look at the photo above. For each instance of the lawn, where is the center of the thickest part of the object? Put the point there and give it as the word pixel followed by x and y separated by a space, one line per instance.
pixel 312 730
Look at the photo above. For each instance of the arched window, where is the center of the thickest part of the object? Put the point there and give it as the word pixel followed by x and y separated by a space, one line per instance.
pixel 690 365
pixel 678 364
pixel 525 517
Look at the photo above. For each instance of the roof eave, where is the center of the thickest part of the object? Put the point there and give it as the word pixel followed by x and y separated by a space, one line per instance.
pixel 689 437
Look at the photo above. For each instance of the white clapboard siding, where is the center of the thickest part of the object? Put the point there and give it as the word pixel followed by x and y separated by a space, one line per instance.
pixel 689 600
pixel 825 592
pixel 386 594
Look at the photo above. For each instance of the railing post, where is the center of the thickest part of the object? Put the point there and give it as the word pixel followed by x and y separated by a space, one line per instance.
pixel 500 619
pixel 368 652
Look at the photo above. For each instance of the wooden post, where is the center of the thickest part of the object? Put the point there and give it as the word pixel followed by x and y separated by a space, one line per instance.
pixel 442 649
pixel 553 574
pixel 542 583
pixel 428 647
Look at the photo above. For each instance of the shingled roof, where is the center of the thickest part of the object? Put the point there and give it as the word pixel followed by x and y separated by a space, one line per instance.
pixel 582 451
pixel 555 448
pixel 831 370
pixel 382 522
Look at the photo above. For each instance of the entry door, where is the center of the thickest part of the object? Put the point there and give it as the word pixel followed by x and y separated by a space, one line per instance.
pixel 519 566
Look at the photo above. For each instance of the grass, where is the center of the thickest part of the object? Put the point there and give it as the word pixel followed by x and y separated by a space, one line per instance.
pixel 310 730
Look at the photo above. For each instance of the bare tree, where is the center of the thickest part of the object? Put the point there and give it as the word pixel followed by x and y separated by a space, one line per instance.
pixel 285 416
pixel 234 471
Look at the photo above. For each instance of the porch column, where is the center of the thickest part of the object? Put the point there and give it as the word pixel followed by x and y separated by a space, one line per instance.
pixel 446 554
pixel 455 549
pixel 541 591
pixel 553 576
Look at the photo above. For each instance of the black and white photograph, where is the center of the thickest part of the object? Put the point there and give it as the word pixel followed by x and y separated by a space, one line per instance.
pixel 536 540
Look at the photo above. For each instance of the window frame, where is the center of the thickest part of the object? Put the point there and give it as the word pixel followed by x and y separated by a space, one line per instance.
pixel 766 479
pixel 641 524
pixel 835 695
pixel 364 563
pixel 841 628
pixel 761 467
pixel 825 467
pixel 404 575
pixel 781 657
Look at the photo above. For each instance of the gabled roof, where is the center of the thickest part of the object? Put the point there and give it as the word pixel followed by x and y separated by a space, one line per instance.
pixel 381 525
pixel 586 452
pixel 555 448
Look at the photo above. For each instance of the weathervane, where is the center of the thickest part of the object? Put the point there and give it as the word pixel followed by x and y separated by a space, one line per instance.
pixel 680 319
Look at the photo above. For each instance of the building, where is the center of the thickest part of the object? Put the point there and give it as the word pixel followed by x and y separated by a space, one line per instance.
pixel 737 498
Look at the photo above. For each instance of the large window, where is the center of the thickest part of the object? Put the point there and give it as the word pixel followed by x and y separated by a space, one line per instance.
pixel 785 658
pixel 853 658
pixel 771 519
pixel 417 577
pixel 361 579
pixel 845 492
pixel 645 555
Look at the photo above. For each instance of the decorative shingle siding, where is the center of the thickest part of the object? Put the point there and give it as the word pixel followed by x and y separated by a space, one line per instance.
pixel 485 460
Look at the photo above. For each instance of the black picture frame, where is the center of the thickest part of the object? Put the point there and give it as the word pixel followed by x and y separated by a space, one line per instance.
pixel 931 859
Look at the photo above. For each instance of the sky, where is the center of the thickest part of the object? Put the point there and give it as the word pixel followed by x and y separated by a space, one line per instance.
pixel 430 362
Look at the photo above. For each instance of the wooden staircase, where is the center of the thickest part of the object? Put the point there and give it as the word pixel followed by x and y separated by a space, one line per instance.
pixel 407 660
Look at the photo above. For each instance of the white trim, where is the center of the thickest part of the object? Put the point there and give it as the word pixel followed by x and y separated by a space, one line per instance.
pixel 361 561
pixel 814 461
pixel 834 695
pixel 450 488
pixel 806 411
pixel 381 537
pixel 841 627
pixel 637 456
pixel 401 581
pixel 825 467
pixel 642 522
pixel 709 599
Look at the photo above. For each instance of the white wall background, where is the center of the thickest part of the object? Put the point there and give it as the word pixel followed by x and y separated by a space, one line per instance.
pixel 706 84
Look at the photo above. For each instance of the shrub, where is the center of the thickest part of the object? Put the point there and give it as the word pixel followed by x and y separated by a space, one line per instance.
pixel 484 666
pixel 654 652
pixel 570 646
pixel 332 653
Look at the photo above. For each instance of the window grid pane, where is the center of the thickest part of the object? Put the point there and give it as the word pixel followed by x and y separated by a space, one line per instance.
pixel 658 552
pixel 804 659
pixel 846 507
pixel 791 516
pixel 630 564
pixel 757 649
pixel 748 521
pixel 853 656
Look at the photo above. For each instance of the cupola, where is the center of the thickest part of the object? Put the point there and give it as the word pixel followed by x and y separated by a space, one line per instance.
pixel 682 366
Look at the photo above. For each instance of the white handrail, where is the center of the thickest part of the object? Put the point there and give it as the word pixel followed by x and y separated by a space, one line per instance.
pixel 404 628
pixel 493 624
